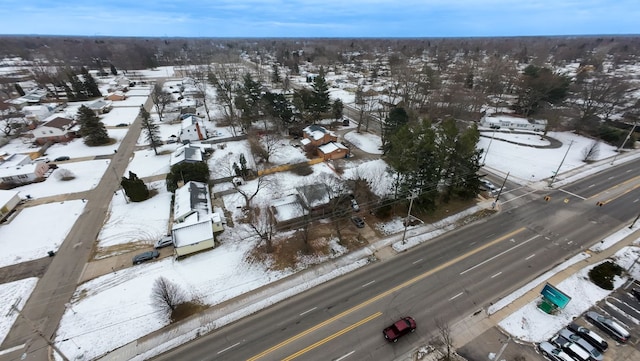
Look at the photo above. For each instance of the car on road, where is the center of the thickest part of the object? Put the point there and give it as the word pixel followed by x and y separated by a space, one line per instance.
pixel 486 185
pixel 163 242
pixel 594 354
pixel 611 327
pixel 590 336
pixel 61 158
pixel 399 328
pixel 145 256
pixel 553 353
pixel 358 222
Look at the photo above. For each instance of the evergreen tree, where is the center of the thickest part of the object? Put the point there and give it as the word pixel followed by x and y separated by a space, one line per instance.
pixel 248 100
pixel 70 95
pixel 277 106
pixel 135 188
pixel 89 83
pixel 396 119
pixel 185 172
pixel 19 89
pixel 337 108
pixel 152 130
pixel 244 171
pixel 275 76
pixel 320 101
pixel 91 128
pixel 77 86
pixel 114 71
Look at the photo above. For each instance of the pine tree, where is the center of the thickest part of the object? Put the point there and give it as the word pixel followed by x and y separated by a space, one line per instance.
pixel 135 188
pixel 90 86
pixel 321 102
pixel 91 128
pixel 151 129
pixel 70 95
pixel 114 71
pixel 397 118
pixel 275 76
pixel 337 109
pixel 19 89
pixel 77 86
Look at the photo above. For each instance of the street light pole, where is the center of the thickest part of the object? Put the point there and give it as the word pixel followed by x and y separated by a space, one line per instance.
pixel 411 197
pixel 623 143
pixel 560 166
pixel 488 146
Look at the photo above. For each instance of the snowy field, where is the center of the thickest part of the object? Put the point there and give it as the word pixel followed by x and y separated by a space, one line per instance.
pixel 86 175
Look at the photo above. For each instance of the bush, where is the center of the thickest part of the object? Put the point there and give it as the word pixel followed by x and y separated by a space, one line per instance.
pixel 302 169
pixel 603 274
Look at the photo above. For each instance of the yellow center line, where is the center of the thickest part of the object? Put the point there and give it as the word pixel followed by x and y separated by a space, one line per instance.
pixel 614 187
pixel 339 333
pixel 386 293
pixel 621 194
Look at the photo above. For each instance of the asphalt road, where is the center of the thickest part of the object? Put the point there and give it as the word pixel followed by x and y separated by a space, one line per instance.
pixel 45 307
pixel 449 278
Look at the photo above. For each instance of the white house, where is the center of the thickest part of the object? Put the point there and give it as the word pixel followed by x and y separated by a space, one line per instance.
pixel 100 106
pixel 194 222
pixel 192 129
pixel 512 122
pixel 186 154
pixel 37 112
pixel 23 174
pixel 57 130
pixel 9 200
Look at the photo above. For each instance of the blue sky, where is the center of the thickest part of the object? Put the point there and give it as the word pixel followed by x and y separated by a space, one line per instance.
pixel 319 18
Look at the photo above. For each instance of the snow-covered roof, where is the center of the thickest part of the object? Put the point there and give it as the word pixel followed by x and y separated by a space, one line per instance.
pixel 287 208
pixel 331 147
pixel 16 170
pixel 190 120
pixel 6 196
pixel 99 104
pixel 59 122
pixel 316 132
pixel 191 198
pixel 314 195
pixel 186 153
pixel 186 234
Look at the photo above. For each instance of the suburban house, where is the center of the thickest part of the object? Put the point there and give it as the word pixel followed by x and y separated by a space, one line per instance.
pixel 192 129
pixel 316 135
pixel 57 130
pixel 194 222
pixel 315 197
pixel 9 200
pixel 333 150
pixel 100 106
pixel 37 112
pixel 513 122
pixel 18 170
pixel 116 96
pixel 287 210
pixel 186 154
pixel 34 96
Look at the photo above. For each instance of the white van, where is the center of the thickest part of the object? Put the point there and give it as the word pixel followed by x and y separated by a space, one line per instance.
pixel 41 159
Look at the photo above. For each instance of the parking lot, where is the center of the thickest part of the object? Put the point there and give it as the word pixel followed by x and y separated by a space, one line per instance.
pixel 621 306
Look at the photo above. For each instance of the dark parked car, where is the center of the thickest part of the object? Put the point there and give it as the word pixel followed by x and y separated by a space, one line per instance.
pixel 122 125
pixel 552 352
pixel 594 354
pixel 145 256
pixel 61 159
pixel 611 327
pixel 593 338
pixel 400 328
pixel 358 222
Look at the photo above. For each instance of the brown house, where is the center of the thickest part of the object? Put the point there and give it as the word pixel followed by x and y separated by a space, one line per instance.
pixel 316 135
pixel 333 150
pixel 116 96
pixel 57 130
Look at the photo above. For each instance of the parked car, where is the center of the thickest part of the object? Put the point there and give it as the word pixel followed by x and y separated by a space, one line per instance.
pixel 145 256
pixel 354 205
pixel 122 125
pixel 164 242
pixel 399 328
pixel 41 159
pixel 571 348
pixel 358 222
pixel 590 336
pixel 552 352
pixel 594 354
pixel 61 158
pixel 611 327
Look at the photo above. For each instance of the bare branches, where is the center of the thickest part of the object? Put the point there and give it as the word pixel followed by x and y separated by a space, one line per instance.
pixel 166 295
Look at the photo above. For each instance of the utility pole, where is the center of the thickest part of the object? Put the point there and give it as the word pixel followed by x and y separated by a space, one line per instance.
pixel 501 188
pixel 411 197
pixel 39 333
pixel 488 146
pixel 623 143
pixel 560 166
pixel 634 222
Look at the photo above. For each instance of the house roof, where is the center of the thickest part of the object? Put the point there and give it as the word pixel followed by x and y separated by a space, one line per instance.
pixel 187 234
pixel 331 147
pixel 287 208
pixel 59 122
pixel 18 170
pixel 316 132
pixel 186 153
pixel 191 198
pixel 190 120
pixel 6 196
pixel 99 104
pixel 314 195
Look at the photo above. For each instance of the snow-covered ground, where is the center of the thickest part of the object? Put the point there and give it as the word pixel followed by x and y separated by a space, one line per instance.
pixel 111 310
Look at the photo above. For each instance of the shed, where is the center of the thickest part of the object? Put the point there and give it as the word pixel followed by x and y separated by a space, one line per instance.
pixel 333 150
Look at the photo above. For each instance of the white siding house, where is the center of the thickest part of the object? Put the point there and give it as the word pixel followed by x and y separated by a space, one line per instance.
pixel 57 130
pixel 192 129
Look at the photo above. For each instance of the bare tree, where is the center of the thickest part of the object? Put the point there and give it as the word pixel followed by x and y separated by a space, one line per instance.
pixel 590 152
pixel 161 99
pixel 224 78
pixel 166 295
pixel 444 335
pixel 11 120
pixel 598 95
pixel 200 76
pixel 263 225
pixel 264 146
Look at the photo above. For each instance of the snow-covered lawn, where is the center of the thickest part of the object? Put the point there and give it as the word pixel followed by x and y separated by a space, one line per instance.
pixel 14 294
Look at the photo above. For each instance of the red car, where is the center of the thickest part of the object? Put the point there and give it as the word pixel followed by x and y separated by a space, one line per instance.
pixel 400 328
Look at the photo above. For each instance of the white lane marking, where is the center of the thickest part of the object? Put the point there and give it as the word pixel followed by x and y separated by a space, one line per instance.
pixel 307 311
pixel 499 254
pixel 593 185
pixel 497 274
pixel 629 170
pixel 573 194
pixel 366 284
pixel 228 348
pixel 456 296
pixel 9 350
pixel 530 257
pixel 418 261
pixel 472 243
pixel 345 356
